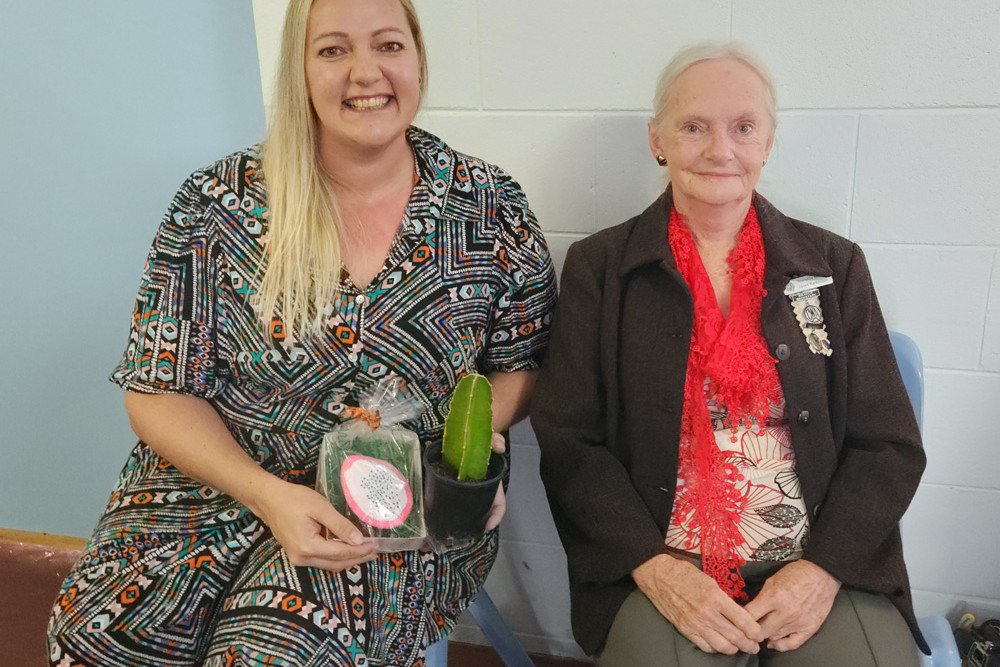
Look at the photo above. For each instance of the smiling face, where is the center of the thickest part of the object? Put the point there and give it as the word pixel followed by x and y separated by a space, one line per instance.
pixel 715 135
pixel 362 69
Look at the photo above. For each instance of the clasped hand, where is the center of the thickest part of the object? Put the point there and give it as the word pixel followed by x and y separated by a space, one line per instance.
pixel 300 518
pixel 696 606
pixel 792 605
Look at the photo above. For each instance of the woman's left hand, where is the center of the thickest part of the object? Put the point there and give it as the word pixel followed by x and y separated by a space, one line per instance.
pixel 511 394
pixel 793 604
pixel 498 445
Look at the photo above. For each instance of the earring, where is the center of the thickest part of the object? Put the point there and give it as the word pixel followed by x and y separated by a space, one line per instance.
pixel 764 164
pixel 660 160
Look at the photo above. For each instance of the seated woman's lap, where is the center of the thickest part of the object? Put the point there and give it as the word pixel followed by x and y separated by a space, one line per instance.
pixel 384 612
pixel 862 630
pixel 166 575
pixel 147 587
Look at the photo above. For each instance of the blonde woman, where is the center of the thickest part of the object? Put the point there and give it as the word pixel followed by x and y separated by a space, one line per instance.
pixel 282 283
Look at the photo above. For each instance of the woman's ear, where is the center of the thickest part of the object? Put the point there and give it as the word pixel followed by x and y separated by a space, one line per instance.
pixel 654 139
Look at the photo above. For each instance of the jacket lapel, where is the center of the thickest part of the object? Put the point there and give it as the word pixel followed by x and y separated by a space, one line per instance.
pixel 655 333
pixel 803 373
pixel 789 255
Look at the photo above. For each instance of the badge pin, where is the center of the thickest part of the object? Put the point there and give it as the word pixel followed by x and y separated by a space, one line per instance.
pixel 812 314
pixel 803 292
pixel 805 283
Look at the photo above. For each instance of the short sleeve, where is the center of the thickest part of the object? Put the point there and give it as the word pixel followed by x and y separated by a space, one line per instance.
pixel 171 345
pixel 519 328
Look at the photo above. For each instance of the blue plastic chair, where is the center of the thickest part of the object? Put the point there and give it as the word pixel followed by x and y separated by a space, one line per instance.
pixel 936 629
pixel 488 617
pixel 911 367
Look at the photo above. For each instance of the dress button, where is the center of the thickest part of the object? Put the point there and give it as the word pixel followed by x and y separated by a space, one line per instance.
pixel 782 352
pixel 804 417
pixel 360 299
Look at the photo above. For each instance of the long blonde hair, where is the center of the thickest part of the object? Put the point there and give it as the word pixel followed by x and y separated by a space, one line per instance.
pixel 301 262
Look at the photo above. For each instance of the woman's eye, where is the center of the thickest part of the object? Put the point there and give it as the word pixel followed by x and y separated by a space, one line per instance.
pixel 745 128
pixel 690 128
pixel 392 47
pixel 331 51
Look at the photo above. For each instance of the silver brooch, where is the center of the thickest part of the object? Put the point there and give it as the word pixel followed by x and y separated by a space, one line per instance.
pixel 803 292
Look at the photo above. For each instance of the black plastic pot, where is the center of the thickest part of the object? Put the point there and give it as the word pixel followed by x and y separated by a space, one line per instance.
pixel 456 511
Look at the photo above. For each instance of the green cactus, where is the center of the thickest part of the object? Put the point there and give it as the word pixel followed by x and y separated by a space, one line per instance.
pixel 469 428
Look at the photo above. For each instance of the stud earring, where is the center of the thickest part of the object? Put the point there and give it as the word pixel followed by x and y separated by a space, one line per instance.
pixel 660 160
pixel 764 164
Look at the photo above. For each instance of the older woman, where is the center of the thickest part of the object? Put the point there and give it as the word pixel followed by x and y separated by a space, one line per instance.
pixel 283 283
pixel 726 442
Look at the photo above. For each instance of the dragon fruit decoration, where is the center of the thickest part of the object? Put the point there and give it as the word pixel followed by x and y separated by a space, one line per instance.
pixel 369 467
pixel 375 491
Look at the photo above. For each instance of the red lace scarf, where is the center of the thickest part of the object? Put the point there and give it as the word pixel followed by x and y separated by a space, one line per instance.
pixel 729 359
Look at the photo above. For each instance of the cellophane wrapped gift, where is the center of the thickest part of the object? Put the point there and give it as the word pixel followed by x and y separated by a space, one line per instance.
pixel 369 468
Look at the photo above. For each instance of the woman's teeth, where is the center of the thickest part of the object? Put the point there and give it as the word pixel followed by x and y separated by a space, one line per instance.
pixel 365 103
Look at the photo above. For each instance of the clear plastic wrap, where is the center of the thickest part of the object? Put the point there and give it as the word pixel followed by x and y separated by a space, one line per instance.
pixel 369 468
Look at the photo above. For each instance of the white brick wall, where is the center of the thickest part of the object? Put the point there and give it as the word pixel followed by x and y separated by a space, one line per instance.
pixel 888 135
pixel 928 177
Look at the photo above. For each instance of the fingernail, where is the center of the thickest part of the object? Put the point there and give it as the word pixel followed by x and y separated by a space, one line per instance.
pixel 356 538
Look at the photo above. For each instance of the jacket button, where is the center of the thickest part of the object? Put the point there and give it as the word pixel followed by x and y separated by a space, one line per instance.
pixel 804 417
pixel 782 352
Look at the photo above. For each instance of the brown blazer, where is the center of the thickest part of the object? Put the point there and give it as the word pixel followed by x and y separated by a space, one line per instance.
pixel 608 405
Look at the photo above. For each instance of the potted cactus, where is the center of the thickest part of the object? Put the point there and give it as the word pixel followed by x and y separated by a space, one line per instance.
pixel 461 474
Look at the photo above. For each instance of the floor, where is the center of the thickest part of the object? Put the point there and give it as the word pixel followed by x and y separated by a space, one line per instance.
pixel 471 655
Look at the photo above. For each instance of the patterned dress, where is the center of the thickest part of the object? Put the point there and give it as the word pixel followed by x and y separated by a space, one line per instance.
pixel 177 573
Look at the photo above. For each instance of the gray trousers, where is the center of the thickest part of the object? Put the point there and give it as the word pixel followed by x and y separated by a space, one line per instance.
pixel 862 630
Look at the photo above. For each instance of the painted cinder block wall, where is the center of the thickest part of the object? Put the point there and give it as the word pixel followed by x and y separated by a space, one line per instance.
pixel 887 134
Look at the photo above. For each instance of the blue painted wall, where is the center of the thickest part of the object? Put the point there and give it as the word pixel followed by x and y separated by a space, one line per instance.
pixel 105 107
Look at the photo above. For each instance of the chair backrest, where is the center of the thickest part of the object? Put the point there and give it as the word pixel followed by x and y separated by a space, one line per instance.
pixel 911 367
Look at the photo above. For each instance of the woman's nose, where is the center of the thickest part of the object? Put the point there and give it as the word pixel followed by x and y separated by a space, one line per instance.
pixel 718 143
pixel 365 67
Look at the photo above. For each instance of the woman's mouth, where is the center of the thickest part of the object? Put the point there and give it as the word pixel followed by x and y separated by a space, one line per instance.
pixel 367 103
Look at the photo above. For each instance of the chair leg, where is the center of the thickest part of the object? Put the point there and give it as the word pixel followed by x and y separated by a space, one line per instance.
pixel 938 633
pixel 437 654
pixel 493 626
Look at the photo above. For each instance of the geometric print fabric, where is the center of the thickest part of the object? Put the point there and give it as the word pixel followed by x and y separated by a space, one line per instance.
pixel 177 573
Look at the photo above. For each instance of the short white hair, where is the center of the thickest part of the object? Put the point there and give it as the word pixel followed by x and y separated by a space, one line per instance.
pixel 713 51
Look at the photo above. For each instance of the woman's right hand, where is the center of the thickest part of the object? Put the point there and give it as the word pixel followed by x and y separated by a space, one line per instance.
pixel 299 518
pixel 696 606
